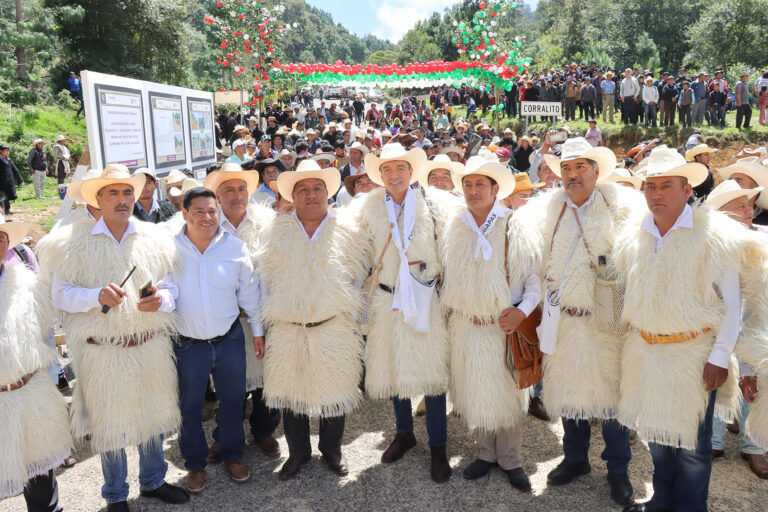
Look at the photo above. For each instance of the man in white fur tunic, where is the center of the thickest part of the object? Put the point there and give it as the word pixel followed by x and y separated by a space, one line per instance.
pixel 311 262
pixel 126 392
pixel 686 270
pixel 573 229
pixel 482 295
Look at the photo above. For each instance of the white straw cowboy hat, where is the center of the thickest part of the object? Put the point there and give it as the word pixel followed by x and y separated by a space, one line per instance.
pixel 324 156
pixel 37 141
pixel 620 174
pixel 664 161
pixel 579 147
pixel 439 162
pixel 360 147
pixel 494 170
pixel 393 151
pixel 287 152
pixel 187 185
pixel 697 150
pixel 308 169
pixel 751 167
pixel 452 149
pixel 174 179
pixel 146 171
pixel 232 171
pixel 113 174
pixel 16 231
pixel 60 138
pixel 73 189
pixel 726 192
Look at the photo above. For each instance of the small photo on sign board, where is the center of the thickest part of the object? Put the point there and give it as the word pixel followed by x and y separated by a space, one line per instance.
pixel 121 122
pixel 167 130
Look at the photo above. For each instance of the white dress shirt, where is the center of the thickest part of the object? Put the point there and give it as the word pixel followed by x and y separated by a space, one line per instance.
pixel 214 285
pixel 76 299
pixel 231 228
pixel 329 215
pixel 527 293
pixel 727 285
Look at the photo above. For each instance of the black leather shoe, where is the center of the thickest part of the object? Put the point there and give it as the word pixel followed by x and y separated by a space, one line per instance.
pixel 645 507
pixel 120 506
pixel 621 488
pixel 440 470
pixel 291 467
pixel 168 493
pixel 397 448
pixel 338 463
pixel 518 479
pixel 478 469
pixel 567 470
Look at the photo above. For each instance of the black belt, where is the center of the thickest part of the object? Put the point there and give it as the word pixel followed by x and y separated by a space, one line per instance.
pixel 386 288
pixel 213 341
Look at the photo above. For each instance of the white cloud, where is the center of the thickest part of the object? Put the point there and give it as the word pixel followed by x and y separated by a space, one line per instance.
pixel 397 17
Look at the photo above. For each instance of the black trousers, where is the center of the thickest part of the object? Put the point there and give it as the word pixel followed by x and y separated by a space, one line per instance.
pixel 263 420
pixel 296 427
pixel 42 493
pixel 743 112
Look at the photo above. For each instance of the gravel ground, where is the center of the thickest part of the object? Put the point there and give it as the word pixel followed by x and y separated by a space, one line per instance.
pixel 404 485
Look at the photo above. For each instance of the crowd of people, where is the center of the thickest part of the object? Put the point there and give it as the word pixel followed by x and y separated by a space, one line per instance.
pixel 324 262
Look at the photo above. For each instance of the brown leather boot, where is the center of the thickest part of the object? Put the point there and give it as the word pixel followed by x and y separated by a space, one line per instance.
pixel 441 470
pixel 757 463
pixel 237 470
pixel 269 446
pixel 397 448
pixel 536 409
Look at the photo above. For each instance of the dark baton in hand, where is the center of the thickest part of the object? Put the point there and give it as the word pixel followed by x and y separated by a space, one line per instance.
pixel 104 307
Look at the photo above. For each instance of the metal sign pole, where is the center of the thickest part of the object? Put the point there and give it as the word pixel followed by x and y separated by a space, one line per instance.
pixel 526 124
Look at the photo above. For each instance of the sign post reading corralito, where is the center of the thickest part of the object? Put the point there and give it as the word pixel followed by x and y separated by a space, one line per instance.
pixel 551 109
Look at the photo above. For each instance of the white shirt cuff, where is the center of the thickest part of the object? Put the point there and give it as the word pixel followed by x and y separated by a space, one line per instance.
pixel 256 327
pixel 745 370
pixel 720 356
pixel 527 306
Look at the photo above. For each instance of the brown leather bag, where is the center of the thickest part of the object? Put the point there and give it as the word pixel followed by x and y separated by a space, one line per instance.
pixel 522 354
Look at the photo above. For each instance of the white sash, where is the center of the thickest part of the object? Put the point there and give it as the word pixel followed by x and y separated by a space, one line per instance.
pixel 481 243
pixel 407 295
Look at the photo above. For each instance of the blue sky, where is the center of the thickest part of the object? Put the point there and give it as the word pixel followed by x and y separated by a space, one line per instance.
pixel 387 19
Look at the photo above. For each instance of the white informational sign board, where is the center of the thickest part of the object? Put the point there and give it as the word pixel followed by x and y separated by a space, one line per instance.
pixel 541 108
pixel 145 124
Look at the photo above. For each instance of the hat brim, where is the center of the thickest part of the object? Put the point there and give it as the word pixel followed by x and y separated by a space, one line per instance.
pixel 494 170
pixel 606 162
pixel 695 173
pixel 89 189
pixel 416 157
pixel 288 180
pixel 720 200
pixel 16 232
pixel 454 167
pixel 214 180
pixel 635 181
pixel 691 153
pixel 760 179
pixel 349 182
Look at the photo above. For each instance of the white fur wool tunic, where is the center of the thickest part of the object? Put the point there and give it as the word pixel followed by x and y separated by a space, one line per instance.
pixel 581 377
pixel 483 391
pixel 124 396
pixel 248 232
pixel 312 370
pixel 399 361
pixel 33 419
pixel 662 392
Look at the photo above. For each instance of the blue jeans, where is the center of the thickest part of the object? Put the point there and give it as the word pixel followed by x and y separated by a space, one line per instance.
pixel 746 444
pixel 537 390
pixel 681 477
pixel 718 116
pixel 226 362
pixel 437 423
pixel 617 453
pixel 650 115
pixel 152 468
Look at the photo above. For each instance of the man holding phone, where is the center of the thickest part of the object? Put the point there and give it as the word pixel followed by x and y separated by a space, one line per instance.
pixel 121 349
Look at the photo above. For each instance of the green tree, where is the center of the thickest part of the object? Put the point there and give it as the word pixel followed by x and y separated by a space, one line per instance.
pixel 742 25
pixel 416 46
pixel 382 58
pixel 647 53
pixel 142 38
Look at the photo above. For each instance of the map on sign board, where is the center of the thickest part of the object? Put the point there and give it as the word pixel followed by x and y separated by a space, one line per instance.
pixel 201 130
pixel 121 122
pixel 167 130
